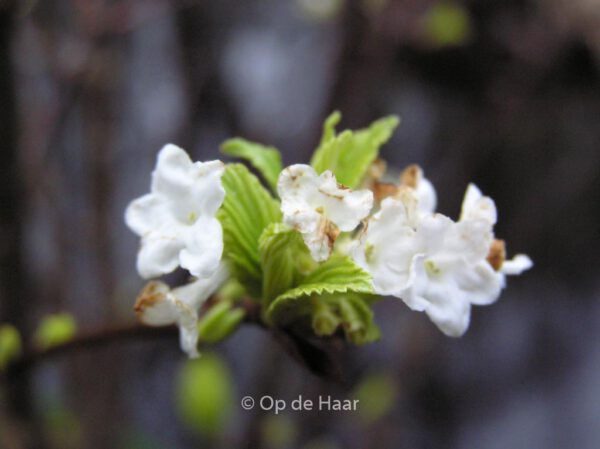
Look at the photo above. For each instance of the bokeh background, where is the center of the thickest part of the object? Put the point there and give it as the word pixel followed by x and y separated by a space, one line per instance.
pixel 504 93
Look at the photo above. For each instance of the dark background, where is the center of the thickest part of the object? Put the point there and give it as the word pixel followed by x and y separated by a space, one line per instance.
pixel 91 90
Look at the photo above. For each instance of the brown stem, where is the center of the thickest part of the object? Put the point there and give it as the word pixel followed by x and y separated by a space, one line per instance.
pixel 308 354
pixel 88 340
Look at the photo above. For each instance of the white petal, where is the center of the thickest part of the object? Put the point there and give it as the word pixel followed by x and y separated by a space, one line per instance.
pixel 154 307
pixel 190 189
pixel 158 306
pixel 426 196
pixel 320 241
pixel 188 337
pixel 319 208
pixel 469 240
pixel 171 174
pixel 346 208
pixel 433 231
pixel 386 248
pixel 146 213
pixel 207 191
pixel 517 265
pixel 159 253
pixel 441 300
pixel 195 293
pixel 479 284
pixel 477 206
pixel 203 247
pixel 451 317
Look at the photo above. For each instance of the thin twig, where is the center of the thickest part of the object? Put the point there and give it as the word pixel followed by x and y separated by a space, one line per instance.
pixel 311 356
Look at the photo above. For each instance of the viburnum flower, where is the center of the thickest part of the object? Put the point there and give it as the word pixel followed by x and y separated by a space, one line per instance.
pixel 387 245
pixel 477 206
pixel 176 220
pixel 437 265
pixel 320 208
pixel 158 305
pixel 450 272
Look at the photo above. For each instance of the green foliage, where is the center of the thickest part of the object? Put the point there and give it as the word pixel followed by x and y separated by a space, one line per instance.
pixel 54 330
pixel 349 154
pixel 247 210
pixel 219 322
pixel 447 24
pixel 283 255
pixel 205 395
pixel 349 311
pixel 267 160
pixel 10 344
pixel 278 431
pixel 232 290
pixel 339 274
pixel 324 320
pixel 377 394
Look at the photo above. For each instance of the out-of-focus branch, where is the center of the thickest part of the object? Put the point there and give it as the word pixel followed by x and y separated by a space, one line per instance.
pixel 305 352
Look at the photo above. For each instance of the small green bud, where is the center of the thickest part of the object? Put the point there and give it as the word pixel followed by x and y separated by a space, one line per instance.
pixel 54 330
pixel 278 431
pixel 377 395
pixel 324 321
pixel 10 344
pixel 205 395
pixel 447 24
pixel 219 322
pixel 231 291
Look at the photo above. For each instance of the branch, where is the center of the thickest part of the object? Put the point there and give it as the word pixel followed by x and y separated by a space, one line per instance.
pixel 314 358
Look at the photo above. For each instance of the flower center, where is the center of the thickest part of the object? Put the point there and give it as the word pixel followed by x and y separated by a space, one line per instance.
pixel 192 217
pixel 431 268
pixel 369 252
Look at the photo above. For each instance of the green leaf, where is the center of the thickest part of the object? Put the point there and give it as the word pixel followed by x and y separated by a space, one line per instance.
pixel 357 319
pixel 267 160
pixel 205 395
pixel 339 274
pixel 10 344
pixel 54 330
pixel 219 322
pixel 350 154
pixel 329 127
pixel 350 311
pixel 247 210
pixel 282 255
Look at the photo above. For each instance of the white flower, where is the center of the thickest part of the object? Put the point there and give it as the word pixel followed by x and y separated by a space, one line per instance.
pixel 319 208
pixel 450 272
pixel 475 206
pixel 387 246
pixel 461 264
pixel 434 264
pixel 176 220
pixel 158 305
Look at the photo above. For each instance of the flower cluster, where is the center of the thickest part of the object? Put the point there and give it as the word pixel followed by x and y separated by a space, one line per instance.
pixel 434 264
pixel 178 228
pixel 327 239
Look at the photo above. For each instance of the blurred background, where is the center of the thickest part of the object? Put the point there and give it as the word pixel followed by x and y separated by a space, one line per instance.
pixel 504 93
